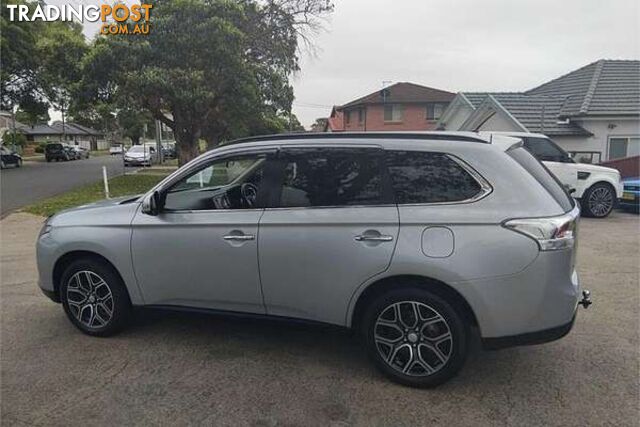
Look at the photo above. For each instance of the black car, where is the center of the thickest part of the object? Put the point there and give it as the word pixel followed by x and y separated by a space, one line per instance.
pixel 9 158
pixel 57 151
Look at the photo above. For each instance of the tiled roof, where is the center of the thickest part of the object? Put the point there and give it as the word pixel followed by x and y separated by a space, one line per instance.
pixel 404 92
pixel 56 129
pixel 539 114
pixel 39 130
pixel 604 87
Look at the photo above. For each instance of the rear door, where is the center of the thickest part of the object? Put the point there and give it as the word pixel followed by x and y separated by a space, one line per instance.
pixel 332 226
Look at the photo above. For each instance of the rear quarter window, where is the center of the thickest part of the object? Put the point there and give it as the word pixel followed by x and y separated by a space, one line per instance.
pixel 532 165
pixel 419 177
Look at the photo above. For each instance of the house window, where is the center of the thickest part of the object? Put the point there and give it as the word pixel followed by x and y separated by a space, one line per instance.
pixel 434 111
pixel 347 117
pixel 620 147
pixel 361 116
pixel 393 113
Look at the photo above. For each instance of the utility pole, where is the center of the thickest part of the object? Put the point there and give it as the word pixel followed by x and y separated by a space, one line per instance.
pixel 13 129
pixel 159 141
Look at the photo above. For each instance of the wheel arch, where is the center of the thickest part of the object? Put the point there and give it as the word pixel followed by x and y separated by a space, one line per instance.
pixel 63 262
pixel 601 180
pixel 405 281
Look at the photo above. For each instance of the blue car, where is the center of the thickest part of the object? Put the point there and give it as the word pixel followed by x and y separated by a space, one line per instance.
pixel 631 194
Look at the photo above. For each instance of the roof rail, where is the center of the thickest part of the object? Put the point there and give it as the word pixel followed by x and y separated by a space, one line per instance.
pixel 361 135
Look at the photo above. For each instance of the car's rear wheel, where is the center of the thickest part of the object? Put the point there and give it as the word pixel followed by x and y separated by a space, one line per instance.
pixel 94 297
pixel 415 337
pixel 598 201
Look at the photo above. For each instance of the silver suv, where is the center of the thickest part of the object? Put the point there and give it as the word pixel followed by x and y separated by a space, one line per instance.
pixel 414 240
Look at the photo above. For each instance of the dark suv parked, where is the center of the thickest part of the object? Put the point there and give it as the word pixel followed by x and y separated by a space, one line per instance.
pixel 56 151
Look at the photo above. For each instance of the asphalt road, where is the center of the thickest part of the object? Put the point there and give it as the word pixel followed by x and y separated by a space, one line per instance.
pixel 37 180
pixel 188 369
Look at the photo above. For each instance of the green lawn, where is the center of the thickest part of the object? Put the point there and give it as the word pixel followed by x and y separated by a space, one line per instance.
pixel 118 186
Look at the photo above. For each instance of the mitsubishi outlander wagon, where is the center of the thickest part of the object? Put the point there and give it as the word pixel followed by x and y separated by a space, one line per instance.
pixel 416 241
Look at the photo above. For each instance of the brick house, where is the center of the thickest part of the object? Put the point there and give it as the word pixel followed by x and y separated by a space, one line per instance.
pixel 400 107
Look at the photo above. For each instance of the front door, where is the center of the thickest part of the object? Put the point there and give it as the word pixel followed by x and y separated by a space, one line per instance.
pixel 201 249
pixel 334 226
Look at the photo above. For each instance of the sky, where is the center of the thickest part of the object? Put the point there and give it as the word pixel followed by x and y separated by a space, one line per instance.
pixel 458 45
pixel 454 45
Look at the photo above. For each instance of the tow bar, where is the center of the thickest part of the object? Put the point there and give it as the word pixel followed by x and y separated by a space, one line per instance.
pixel 586 299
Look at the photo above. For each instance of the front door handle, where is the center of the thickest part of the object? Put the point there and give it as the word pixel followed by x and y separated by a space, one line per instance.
pixel 366 238
pixel 239 237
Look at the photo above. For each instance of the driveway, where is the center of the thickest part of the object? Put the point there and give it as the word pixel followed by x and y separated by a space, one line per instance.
pixel 37 180
pixel 179 369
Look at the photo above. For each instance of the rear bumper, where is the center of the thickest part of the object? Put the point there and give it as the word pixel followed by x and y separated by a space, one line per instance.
pixel 530 338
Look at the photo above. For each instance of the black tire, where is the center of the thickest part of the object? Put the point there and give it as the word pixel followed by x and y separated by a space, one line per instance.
pixel 429 304
pixel 19 163
pixel 598 201
pixel 120 302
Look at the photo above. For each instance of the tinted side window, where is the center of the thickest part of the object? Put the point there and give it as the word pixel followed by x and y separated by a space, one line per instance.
pixel 331 177
pixel 422 177
pixel 545 149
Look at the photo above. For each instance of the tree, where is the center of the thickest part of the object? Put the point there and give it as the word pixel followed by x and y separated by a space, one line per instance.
pixel 33 111
pixel 319 125
pixel 60 49
pixel 132 123
pixel 18 74
pixel 209 69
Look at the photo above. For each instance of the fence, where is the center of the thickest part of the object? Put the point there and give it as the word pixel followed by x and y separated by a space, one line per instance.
pixel 629 167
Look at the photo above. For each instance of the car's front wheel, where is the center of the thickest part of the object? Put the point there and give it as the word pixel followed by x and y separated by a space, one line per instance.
pixel 415 337
pixel 94 297
pixel 599 200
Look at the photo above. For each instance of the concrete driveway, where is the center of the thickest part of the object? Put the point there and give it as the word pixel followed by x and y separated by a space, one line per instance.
pixel 177 369
pixel 37 180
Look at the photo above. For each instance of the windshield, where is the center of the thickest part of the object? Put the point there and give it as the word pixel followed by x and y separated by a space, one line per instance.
pixel 138 149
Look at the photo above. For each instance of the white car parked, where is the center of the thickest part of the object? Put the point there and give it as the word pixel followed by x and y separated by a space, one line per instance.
pixel 596 187
pixel 116 149
pixel 140 155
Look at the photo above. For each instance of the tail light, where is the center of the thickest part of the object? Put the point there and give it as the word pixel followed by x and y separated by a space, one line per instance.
pixel 551 233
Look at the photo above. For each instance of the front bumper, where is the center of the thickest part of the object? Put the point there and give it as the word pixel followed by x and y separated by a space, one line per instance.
pixel 629 199
pixel 139 162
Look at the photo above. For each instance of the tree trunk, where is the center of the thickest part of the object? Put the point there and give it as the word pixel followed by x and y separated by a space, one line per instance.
pixel 187 146
pixel 135 140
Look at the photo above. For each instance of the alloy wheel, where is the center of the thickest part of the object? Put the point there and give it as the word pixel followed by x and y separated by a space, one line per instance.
pixel 90 299
pixel 413 338
pixel 600 201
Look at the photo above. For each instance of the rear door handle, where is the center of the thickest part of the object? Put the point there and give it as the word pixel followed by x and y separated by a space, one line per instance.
pixel 381 238
pixel 239 237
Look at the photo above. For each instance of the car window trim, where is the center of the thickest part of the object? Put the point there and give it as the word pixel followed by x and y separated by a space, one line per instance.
pixel 485 186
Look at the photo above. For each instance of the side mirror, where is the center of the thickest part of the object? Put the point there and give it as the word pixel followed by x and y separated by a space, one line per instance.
pixel 151 205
